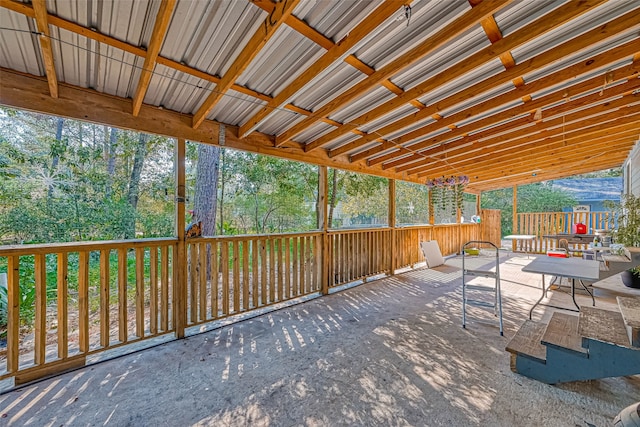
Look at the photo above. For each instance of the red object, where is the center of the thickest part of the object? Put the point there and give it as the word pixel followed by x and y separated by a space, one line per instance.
pixel 580 228
pixel 558 254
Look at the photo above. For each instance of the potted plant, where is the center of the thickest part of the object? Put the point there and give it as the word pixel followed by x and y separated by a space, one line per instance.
pixel 628 234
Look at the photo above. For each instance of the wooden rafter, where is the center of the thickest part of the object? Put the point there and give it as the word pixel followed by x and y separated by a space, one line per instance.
pixel 366 26
pixel 318 38
pixel 557 162
pixel 541 154
pixel 518 127
pixel 157 37
pixel 559 171
pixel 489 157
pixel 501 47
pixel 491 154
pixel 248 53
pixel 594 63
pixel 26 92
pixel 446 34
pixel 40 14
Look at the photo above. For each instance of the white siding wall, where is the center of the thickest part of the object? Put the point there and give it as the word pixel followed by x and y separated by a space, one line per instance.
pixel 632 172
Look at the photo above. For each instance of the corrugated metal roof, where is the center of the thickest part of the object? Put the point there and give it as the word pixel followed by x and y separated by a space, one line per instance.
pixel 574 28
pixel 334 19
pixel 18 35
pixel 395 38
pixel 208 36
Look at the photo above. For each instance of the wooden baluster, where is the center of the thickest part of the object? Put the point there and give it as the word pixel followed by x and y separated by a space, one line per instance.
pixel 153 290
pixel 224 260
pixel 263 272
pixel 63 306
pixel 193 283
pixel 301 260
pixel 245 275
pixel 272 271
pixel 140 292
pixel 13 313
pixel 83 301
pixel 215 272
pixel 288 269
pixel 294 267
pixel 281 270
pixel 104 298
pixel 123 327
pixel 164 290
pixel 255 274
pixel 236 277
pixel 41 309
pixel 202 290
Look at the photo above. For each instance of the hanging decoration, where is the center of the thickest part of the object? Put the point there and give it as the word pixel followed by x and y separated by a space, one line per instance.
pixel 448 191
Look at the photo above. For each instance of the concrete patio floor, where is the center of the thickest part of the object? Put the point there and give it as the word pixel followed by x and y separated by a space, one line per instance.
pixel 388 352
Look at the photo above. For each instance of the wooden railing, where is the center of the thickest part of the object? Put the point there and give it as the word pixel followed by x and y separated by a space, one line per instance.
pixel 83 298
pixel 450 238
pixel 90 297
pixel 357 254
pixel 540 224
pixel 231 275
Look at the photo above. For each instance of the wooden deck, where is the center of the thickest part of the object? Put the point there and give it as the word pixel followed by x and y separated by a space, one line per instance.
pixel 390 351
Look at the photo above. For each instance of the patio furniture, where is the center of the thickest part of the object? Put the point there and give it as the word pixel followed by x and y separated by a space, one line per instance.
pixel 432 254
pixel 523 237
pixel 571 268
pixel 487 273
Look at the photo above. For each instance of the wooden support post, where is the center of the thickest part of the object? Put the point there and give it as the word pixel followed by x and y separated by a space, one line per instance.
pixel 180 261
pixel 392 224
pixel 323 226
pixel 514 226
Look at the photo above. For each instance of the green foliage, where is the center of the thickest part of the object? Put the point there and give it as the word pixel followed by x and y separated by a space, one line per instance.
pixel 412 203
pixel 628 230
pixel 538 197
pixel 358 199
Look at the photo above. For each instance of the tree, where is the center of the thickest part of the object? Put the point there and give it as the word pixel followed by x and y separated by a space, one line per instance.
pixel 206 192
pixel 538 197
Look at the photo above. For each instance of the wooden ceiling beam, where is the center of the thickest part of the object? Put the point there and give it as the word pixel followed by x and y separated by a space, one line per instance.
pixel 536 153
pixel 155 43
pixel 578 168
pixel 56 21
pixel 597 35
pixel 312 34
pixel 483 149
pixel 594 105
pixel 504 45
pixel 515 147
pixel 363 29
pixel 19 90
pixel 625 72
pixel 450 31
pixel 41 17
pixel 244 58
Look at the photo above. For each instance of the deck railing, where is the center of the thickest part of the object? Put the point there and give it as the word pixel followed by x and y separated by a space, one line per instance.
pixel 76 300
pixel 83 298
pixel 542 224
pixel 231 275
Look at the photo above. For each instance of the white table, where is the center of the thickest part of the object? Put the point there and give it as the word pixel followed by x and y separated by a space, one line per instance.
pixel 572 268
pixel 517 237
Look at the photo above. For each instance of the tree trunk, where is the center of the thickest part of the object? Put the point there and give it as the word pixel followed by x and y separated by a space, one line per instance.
pixel 332 200
pixel 134 181
pixel 56 155
pixel 206 194
pixel 221 229
pixel 110 151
